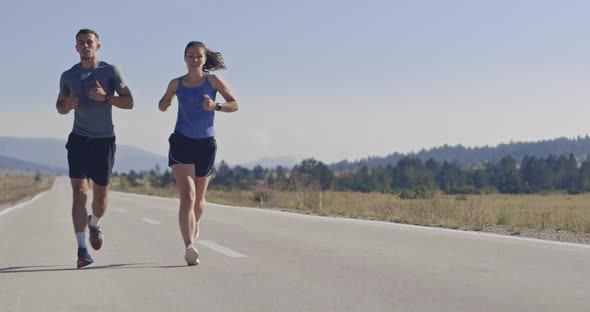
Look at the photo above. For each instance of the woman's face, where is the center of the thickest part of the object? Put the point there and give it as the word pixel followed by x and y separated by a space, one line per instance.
pixel 195 57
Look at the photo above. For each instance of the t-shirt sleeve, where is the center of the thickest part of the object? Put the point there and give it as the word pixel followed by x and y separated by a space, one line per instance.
pixel 119 81
pixel 64 90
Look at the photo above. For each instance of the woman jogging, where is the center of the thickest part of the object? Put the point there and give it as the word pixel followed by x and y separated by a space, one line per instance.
pixel 192 145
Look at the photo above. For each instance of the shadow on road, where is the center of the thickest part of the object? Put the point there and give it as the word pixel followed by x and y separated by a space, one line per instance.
pixel 57 268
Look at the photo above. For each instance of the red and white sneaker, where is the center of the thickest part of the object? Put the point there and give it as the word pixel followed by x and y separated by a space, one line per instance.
pixel 84 258
pixel 95 236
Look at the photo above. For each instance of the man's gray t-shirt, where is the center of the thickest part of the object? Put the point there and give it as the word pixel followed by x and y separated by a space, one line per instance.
pixel 92 118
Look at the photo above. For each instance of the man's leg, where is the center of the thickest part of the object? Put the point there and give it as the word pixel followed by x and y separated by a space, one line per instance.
pixel 99 206
pixel 103 159
pixel 80 195
pixel 100 198
pixel 79 217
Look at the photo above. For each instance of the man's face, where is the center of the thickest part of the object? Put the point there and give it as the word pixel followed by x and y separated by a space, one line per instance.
pixel 87 45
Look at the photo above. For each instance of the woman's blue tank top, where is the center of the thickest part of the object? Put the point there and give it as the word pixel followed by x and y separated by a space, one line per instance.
pixel 193 121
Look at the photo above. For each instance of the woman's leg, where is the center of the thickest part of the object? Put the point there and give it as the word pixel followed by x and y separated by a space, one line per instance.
pixel 201 184
pixel 185 182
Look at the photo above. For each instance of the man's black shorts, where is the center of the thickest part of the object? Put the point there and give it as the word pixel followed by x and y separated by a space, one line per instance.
pixel 199 152
pixel 91 158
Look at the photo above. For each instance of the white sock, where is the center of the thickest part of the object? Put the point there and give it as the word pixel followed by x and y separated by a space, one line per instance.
pixel 94 220
pixel 81 238
pixel 190 246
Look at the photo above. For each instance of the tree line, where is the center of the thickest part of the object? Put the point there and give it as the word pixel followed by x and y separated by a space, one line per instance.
pixel 470 156
pixel 410 177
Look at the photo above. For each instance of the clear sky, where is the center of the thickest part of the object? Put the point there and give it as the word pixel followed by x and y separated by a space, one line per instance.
pixel 332 80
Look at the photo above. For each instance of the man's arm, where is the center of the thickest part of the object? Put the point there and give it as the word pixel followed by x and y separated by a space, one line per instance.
pixel 65 101
pixel 124 100
pixel 65 104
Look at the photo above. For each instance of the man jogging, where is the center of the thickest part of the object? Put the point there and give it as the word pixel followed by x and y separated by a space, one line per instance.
pixel 88 88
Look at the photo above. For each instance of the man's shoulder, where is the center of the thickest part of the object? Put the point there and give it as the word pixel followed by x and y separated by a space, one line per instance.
pixel 72 70
pixel 110 68
pixel 106 65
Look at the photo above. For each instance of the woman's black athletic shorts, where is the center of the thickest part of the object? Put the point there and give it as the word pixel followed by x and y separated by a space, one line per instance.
pixel 91 158
pixel 199 152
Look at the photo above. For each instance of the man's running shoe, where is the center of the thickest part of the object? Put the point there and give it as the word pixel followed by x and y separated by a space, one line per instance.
pixel 84 258
pixel 192 256
pixel 95 236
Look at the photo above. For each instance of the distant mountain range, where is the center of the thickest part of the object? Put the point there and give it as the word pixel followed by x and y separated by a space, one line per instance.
pixel 13 163
pixel 579 147
pixel 50 156
pixel 268 162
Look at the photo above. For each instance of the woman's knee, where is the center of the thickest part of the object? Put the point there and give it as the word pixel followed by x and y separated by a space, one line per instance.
pixel 200 204
pixel 187 197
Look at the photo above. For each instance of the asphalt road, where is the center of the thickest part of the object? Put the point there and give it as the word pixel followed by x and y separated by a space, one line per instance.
pixel 263 260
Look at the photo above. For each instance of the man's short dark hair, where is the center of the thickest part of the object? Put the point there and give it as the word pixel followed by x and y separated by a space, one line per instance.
pixel 87 31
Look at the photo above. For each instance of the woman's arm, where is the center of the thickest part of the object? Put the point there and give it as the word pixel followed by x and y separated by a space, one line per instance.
pixel 166 100
pixel 231 103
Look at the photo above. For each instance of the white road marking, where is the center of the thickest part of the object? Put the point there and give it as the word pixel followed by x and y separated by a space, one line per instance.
pixel 150 221
pixel 7 210
pixel 220 249
pixel 384 223
pixel 406 226
pixel 121 210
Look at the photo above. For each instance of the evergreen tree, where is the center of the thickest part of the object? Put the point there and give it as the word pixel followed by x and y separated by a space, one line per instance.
pixel 536 175
pixel 224 176
pixel 258 173
pixel 508 179
pixel 450 178
pixel 410 173
pixel 318 171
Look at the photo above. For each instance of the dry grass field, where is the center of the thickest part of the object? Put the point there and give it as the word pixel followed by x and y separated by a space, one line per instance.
pixel 14 189
pixel 555 212
pixel 544 212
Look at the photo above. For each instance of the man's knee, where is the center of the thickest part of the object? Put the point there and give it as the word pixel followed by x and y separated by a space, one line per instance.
pixel 100 201
pixel 100 195
pixel 80 195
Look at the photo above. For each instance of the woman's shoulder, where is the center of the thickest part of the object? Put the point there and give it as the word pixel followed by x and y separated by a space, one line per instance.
pixel 214 80
pixel 173 85
pixel 212 77
pixel 174 82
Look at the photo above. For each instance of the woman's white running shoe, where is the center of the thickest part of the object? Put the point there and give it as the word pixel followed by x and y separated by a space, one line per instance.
pixel 191 256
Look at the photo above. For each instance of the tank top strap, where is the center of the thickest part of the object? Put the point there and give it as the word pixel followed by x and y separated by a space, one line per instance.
pixel 179 83
pixel 208 79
